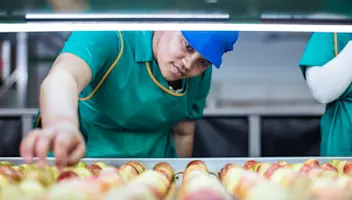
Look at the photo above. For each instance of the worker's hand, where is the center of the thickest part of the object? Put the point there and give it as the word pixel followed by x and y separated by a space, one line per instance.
pixel 64 139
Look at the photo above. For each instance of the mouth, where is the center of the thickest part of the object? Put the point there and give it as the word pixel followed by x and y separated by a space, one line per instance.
pixel 178 71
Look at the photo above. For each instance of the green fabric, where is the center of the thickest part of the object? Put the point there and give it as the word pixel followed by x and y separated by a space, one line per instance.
pixel 336 123
pixel 129 115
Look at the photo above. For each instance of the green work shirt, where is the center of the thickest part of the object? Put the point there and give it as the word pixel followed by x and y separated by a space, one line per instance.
pixel 128 109
pixel 336 123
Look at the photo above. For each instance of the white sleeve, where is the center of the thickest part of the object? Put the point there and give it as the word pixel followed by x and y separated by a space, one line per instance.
pixel 329 82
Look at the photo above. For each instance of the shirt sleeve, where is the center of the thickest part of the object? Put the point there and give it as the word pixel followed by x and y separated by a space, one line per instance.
pixel 199 103
pixel 94 47
pixel 319 51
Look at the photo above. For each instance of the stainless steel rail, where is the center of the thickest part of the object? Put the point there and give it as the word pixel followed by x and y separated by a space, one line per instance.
pixel 179 164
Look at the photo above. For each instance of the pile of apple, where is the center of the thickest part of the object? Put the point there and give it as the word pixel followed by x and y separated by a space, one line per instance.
pixel 309 180
pixel 82 181
pixel 254 180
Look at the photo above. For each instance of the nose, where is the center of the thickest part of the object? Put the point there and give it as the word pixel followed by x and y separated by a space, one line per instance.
pixel 187 64
pixel 189 61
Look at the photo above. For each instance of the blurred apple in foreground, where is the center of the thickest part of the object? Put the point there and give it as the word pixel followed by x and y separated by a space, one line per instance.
pixel 81 164
pixel 46 178
pixel 82 172
pixel 66 175
pixel 31 188
pixel 5 163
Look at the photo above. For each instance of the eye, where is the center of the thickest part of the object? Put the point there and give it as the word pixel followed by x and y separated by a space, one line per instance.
pixel 204 63
pixel 188 47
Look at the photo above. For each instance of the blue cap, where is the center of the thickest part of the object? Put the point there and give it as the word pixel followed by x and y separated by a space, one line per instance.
pixel 211 44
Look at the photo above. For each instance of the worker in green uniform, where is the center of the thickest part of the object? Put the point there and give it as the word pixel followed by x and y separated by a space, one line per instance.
pixel 125 94
pixel 327 68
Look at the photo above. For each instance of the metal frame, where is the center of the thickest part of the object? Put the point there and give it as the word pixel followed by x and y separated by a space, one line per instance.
pixel 179 164
pixel 22 68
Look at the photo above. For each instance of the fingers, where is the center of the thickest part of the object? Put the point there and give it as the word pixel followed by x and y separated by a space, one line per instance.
pixel 62 144
pixel 69 147
pixel 43 146
pixel 27 146
pixel 77 153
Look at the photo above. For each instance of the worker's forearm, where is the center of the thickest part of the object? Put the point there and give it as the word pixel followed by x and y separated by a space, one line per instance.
pixel 328 82
pixel 184 145
pixel 59 98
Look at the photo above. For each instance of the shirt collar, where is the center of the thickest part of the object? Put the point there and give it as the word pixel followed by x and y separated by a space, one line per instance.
pixel 143 46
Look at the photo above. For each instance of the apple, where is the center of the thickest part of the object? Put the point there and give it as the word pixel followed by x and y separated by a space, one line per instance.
pixel 296 167
pixel 347 168
pixel 325 188
pixel 227 168
pixel 154 180
pixel 33 166
pixel 5 163
pixel 56 171
pixel 328 166
pixel 138 192
pixel 76 189
pixel 254 167
pixel 263 191
pixel 66 175
pixel 338 164
pixel 32 188
pixel 230 177
pixel 165 169
pixel 262 168
pixel 246 183
pixel 138 165
pixel 94 169
pixel 11 174
pixel 330 174
pixel 11 192
pixel 24 166
pixel 18 168
pixel 283 176
pixel 101 164
pixel 328 193
pixel 282 163
pixel 110 177
pixel 306 168
pixel 3 181
pixel 311 162
pixel 127 172
pixel 269 172
pixel 81 164
pixel 317 173
pixel 82 172
pixel 205 194
pixel 45 177
pixel 68 169
pixel 197 165
pixel 345 181
pixel 249 164
pixel 65 191
pixel 199 182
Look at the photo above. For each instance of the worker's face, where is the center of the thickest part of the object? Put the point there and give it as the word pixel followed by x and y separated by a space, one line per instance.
pixel 177 59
